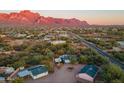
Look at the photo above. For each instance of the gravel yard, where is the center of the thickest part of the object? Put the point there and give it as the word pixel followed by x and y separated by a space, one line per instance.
pixel 65 74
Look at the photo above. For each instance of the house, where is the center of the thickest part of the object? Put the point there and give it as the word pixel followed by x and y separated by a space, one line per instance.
pixel 9 70
pixel 121 43
pixel 117 49
pixel 38 71
pixel 87 73
pixel 19 35
pixel 29 36
pixel 46 39
pixel 6 70
pixel 2 36
pixel 63 58
pixel 63 35
pixel 35 72
pixel 58 42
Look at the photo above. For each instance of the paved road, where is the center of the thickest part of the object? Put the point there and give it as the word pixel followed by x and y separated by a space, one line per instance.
pixel 100 51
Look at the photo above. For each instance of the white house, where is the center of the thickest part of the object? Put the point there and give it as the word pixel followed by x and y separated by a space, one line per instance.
pixel 63 35
pixel 58 42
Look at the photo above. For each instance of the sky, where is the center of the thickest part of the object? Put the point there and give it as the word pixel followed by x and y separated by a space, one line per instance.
pixel 100 17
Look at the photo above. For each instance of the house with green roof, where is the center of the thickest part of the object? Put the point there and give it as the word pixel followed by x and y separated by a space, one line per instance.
pixel 38 71
pixel 35 72
pixel 87 73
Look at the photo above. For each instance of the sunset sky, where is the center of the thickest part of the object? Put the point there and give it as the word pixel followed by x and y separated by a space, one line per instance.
pixel 102 17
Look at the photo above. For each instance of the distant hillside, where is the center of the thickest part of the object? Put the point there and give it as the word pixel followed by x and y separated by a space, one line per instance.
pixel 29 18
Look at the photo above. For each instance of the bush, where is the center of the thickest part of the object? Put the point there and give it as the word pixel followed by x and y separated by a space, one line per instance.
pixel 34 60
pixel 18 64
pixel 112 73
pixel 83 59
pixel 18 80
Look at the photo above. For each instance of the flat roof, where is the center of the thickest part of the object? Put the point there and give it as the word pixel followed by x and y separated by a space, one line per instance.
pixel 23 73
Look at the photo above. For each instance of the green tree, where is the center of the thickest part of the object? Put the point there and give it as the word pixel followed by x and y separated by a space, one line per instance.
pixel 112 73
pixel 73 59
pixel 83 59
pixel 49 64
pixel 20 63
pixel 34 60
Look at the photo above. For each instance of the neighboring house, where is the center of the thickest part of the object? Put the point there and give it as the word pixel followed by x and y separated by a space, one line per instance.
pixel 7 52
pixel 9 70
pixel 63 35
pixel 61 32
pixel 20 35
pixel 35 72
pixel 2 36
pixel 29 36
pixel 63 58
pixel 117 49
pixel 121 43
pixel 87 73
pixel 58 42
pixel 47 39
pixel 6 70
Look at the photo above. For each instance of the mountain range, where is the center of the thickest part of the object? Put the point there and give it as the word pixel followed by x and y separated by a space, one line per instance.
pixel 30 18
